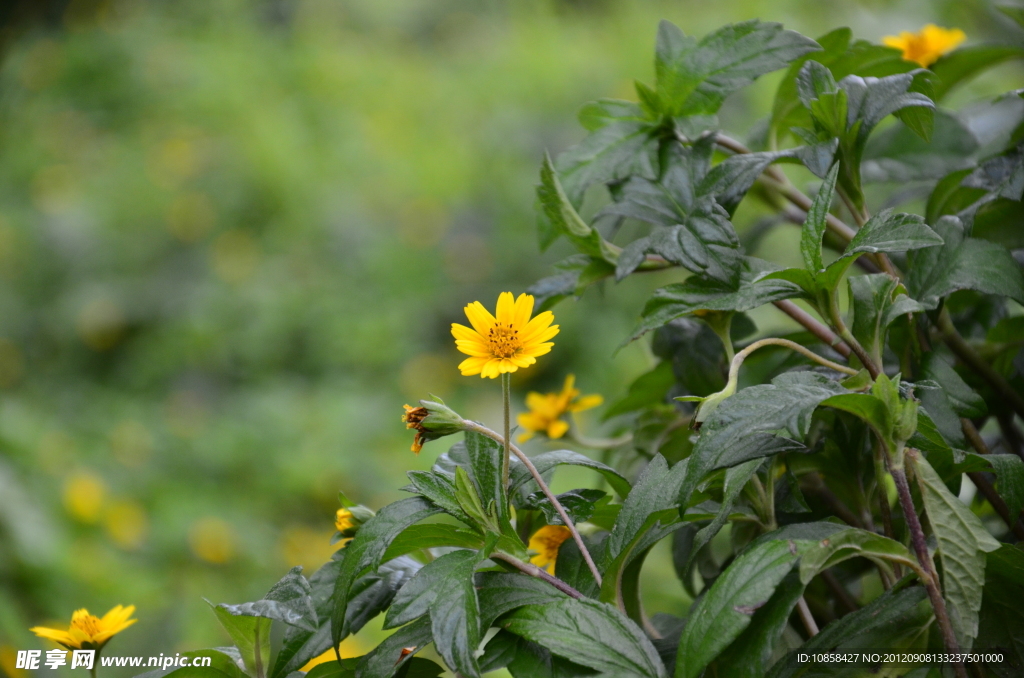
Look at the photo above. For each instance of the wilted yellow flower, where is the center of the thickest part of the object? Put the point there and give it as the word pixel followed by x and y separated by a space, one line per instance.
pixel 547 409
pixel 87 631
pixel 505 341
pixel 412 418
pixel 546 542
pixel 927 45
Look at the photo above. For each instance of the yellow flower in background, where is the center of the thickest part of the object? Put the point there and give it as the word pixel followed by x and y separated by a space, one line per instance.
pixel 927 45
pixel 547 410
pixel 88 631
pixel 349 648
pixel 505 341
pixel 84 495
pixel 546 542
pixel 213 540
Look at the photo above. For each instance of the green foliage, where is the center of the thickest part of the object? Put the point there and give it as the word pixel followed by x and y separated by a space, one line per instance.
pixel 790 454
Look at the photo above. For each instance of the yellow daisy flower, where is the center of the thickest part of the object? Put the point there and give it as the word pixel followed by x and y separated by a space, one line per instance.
pixel 547 409
pixel 88 631
pixel 546 542
pixel 927 45
pixel 505 341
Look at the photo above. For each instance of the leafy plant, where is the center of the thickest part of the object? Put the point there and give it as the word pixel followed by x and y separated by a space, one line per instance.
pixel 834 455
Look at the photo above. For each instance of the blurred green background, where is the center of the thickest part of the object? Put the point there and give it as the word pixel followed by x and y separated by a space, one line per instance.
pixel 233 235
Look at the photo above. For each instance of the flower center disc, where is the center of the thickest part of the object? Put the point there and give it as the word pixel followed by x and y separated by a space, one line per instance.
pixel 87 623
pixel 503 340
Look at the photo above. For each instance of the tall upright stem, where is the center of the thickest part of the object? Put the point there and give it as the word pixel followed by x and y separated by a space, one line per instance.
pixel 506 396
pixel 931 580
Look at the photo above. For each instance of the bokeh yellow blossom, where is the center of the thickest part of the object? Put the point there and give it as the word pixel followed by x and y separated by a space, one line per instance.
pixel 88 631
pixel 545 542
pixel 503 342
pixel 84 494
pixel 547 409
pixel 927 45
pixel 349 648
pixel 212 540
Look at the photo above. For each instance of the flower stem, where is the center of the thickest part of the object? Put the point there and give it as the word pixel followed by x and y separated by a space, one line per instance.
pixel 734 368
pixel 806 617
pixel 534 571
pixel 813 326
pixel 506 396
pixel 928 575
pixel 598 443
pixel 483 430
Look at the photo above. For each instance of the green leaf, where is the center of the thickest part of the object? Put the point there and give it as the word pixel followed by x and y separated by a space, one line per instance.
pixel 725 611
pixel 431 535
pixel 735 479
pixel 889 231
pixel 747 425
pixel 626 146
pixel 559 209
pixel 817 219
pixel 385 660
pixel 695 77
pixel 368 547
pixel 345 669
pixel 881 623
pixel 962 398
pixel 1001 628
pixel 287 601
pixel 548 461
pixel 251 636
pixel 485 461
pixel 590 633
pixel 949 197
pixel 899 155
pixel 502 592
pixel 851 543
pixel 870 409
pixel 749 656
pixel 440 490
pixel 656 490
pixel 1010 480
pixel 962 544
pixel 877 302
pixel 444 589
pixel 750 290
pixel 579 504
pixel 966 62
pixel 469 499
pixel 962 263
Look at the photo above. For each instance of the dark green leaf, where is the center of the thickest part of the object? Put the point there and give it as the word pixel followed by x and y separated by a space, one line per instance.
pixel 579 504
pixel 439 489
pixel 628 146
pixel 563 216
pixel 722 614
pixel 287 601
pixel 881 623
pixel 750 290
pixel 655 490
pixel 889 231
pixel 696 77
pixel 963 400
pixel 868 408
pixel 875 308
pixel 548 461
pixel 735 479
pixel 649 389
pixel 1002 175
pixel 222 665
pixel 1010 474
pixel 334 669
pixel 1002 619
pixel 747 425
pixel 817 219
pixel 851 543
pixel 590 633
pixel 962 263
pixel 431 535
pixel 385 660
pixel 485 459
pixel 749 656
pixel 502 592
pixel 899 154
pixel 368 547
pixel 962 544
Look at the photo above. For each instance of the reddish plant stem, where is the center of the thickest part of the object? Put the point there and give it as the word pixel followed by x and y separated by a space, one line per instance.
pixel 534 571
pixel 931 581
pixel 816 328
pixel 982 482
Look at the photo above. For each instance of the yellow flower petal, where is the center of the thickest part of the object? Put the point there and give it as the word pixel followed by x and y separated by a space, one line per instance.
pixel 545 542
pixel 505 312
pixel 557 429
pixel 586 403
pixel 480 318
pixel 523 310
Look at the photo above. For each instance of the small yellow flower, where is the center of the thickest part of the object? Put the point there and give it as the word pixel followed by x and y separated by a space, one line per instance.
pixel 926 46
pixel 547 409
pixel 505 341
pixel 344 520
pixel 87 631
pixel 546 542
